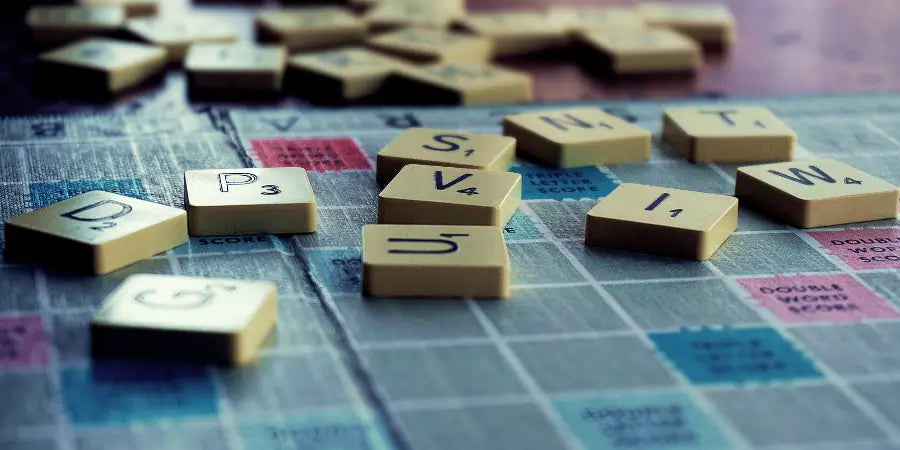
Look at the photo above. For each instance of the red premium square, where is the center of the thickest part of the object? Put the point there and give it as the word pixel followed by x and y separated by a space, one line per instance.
pixel 312 154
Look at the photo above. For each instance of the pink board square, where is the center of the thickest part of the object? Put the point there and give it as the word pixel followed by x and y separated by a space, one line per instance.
pixel 818 298
pixel 313 154
pixel 23 342
pixel 868 248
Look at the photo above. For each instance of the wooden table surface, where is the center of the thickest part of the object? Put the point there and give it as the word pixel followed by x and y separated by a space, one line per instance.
pixel 784 47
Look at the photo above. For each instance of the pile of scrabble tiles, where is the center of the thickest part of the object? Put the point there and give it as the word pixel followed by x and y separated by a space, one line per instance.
pixel 446 196
pixel 405 51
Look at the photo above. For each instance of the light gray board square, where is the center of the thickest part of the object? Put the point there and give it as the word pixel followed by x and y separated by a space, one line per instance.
pixel 68 290
pixel 611 265
pixel 18 292
pixel 886 284
pixel 373 143
pixel 346 188
pixel 678 175
pixel 13 201
pixel 29 398
pixel 283 270
pixel 889 124
pixel 459 371
pixel 540 262
pixel 339 227
pixel 521 427
pixel 661 149
pixel 566 365
pixel 393 320
pixel 71 337
pixel 751 220
pixel 793 415
pixel 177 437
pixel 854 349
pixel 566 219
pixel 11 167
pixel 759 254
pixel 301 322
pixel 281 384
pixel 845 136
pixel 883 395
pixel 29 444
pixel 110 159
pixel 884 167
pixel 174 155
pixel 552 310
pixel 682 304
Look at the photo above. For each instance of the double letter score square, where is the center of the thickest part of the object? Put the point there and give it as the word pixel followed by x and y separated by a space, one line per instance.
pixel 96 232
pixel 450 196
pixel 816 193
pixel 185 318
pixel 246 201
pixel 434 261
pixel 733 134
pixel 662 221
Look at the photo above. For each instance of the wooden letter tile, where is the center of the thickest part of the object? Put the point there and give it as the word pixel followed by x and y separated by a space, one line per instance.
pixel 335 76
pixel 728 134
pixel 575 19
pixel 816 193
pixel 577 137
pixel 638 51
pixel 133 8
pixel 96 232
pixel 216 67
pixel 68 23
pixel 309 28
pixel 102 65
pixel 248 201
pixel 196 319
pixel 434 261
pixel 176 35
pixel 425 45
pixel 709 24
pixel 434 195
pixel 662 221
pixel 448 148
pixel 417 13
pixel 516 32
pixel 458 84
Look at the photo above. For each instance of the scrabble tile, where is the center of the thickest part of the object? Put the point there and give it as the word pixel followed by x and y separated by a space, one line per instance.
pixel 235 67
pixel 575 137
pixel 662 221
pixel 635 51
pixel 516 32
pixel 309 28
pixel 458 84
pixel 708 23
pixel 448 148
pixel 102 65
pixel 197 319
pixel 728 134
pixel 816 193
pixel 434 261
pixel 249 201
pixel 96 232
pixel 133 8
pixel 415 13
pixel 68 23
pixel 338 75
pixel 435 195
pixel 579 19
pixel 176 35
pixel 424 45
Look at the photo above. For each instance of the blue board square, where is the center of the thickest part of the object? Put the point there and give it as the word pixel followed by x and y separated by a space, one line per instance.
pixel 734 355
pixel 558 184
pixel 336 270
pixel 48 193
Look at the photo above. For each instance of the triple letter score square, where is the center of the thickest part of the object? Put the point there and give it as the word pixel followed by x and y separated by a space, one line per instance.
pixel 249 201
pixel 185 318
pixel 577 137
pixel 450 196
pixel 450 148
pixel 96 232
pixel 434 261
pixel 662 221
pixel 816 193
pixel 734 134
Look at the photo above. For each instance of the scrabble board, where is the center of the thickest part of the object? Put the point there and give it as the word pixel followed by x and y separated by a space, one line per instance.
pixel 783 338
